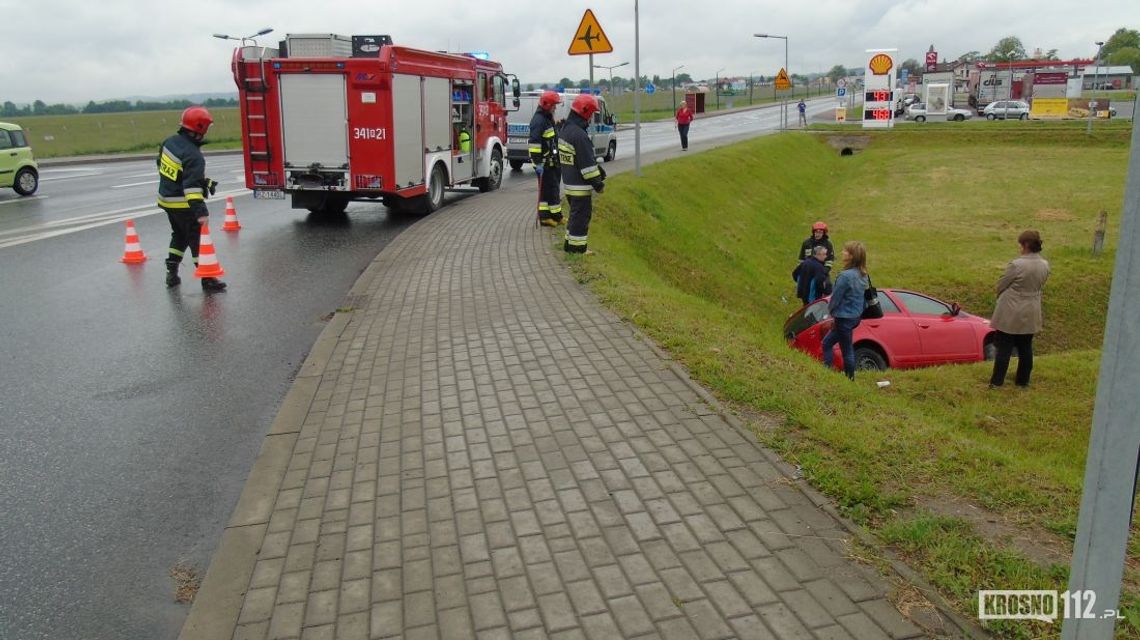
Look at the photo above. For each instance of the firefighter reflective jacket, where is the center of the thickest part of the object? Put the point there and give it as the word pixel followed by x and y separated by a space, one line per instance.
pixel 580 170
pixel 543 143
pixel 182 183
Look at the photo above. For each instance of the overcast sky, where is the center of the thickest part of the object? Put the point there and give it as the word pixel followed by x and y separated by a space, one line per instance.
pixel 74 51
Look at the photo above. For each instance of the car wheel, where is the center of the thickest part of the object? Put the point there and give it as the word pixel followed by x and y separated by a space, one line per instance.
pixel 990 116
pixel 495 177
pixel 26 181
pixel 611 151
pixel 920 118
pixel 959 117
pixel 1024 116
pixel 516 165
pixel 869 359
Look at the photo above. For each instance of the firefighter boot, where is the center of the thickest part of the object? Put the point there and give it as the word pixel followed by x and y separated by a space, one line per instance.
pixel 213 284
pixel 172 279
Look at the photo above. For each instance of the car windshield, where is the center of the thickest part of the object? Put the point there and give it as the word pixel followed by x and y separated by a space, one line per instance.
pixel 805 318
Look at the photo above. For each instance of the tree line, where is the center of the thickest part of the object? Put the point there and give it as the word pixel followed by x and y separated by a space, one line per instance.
pixel 38 108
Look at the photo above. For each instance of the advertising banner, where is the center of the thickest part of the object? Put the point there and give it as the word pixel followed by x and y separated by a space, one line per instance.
pixel 1049 108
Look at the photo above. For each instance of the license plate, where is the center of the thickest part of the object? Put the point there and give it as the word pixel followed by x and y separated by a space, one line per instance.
pixel 516 140
pixel 268 194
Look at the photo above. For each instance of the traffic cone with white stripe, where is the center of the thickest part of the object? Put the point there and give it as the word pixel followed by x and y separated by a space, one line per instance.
pixel 208 265
pixel 133 254
pixel 231 223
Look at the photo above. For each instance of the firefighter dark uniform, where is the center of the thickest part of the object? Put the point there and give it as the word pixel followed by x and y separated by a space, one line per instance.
pixel 581 174
pixel 182 191
pixel 543 147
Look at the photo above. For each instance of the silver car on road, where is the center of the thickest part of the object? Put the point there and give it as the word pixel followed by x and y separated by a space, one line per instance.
pixel 1007 110
pixel 917 112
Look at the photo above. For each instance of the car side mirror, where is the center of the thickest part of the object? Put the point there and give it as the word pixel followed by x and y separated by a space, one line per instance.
pixel 610 120
pixel 955 309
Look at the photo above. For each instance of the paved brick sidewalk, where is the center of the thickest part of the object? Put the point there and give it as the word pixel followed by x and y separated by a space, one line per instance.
pixel 478 450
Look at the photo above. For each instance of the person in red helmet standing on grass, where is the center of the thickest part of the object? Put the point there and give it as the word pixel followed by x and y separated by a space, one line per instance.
pixel 818 237
pixel 182 191
pixel 543 147
pixel 581 173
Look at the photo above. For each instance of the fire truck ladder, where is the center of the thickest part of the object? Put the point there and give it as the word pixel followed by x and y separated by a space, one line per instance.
pixel 252 75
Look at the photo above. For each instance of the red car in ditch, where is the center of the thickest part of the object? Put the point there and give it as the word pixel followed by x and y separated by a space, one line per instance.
pixel 916 330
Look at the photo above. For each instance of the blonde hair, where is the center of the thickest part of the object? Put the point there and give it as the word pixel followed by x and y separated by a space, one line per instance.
pixel 856 256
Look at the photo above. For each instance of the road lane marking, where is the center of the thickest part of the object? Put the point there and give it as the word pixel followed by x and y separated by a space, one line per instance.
pixel 23 199
pixel 45 231
pixel 133 184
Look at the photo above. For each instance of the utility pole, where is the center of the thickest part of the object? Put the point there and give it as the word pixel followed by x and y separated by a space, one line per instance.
pixel 1092 98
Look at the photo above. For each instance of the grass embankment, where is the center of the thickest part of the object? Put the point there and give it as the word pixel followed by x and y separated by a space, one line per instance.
pixel 976 488
pixel 104 133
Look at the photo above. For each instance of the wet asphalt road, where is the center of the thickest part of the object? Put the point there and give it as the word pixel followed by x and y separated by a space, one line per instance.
pixel 130 414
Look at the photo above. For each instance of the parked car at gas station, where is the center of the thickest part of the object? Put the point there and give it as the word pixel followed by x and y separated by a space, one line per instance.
pixel 917 112
pixel 1007 110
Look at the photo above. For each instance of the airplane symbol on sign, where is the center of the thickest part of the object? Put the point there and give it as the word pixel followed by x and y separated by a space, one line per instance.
pixel 588 36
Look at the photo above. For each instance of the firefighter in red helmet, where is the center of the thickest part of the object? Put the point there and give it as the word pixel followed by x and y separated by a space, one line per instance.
pixel 818 237
pixel 182 191
pixel 581 173
pixel 543 147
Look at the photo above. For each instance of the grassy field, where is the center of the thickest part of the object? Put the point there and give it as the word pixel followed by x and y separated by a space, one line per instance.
pixel 77 135
pixel 975 488
pixel 659 106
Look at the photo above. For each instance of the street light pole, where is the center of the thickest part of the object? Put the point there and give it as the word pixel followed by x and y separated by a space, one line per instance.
pixel 1092 98
pixel 611 68
pixel 718 88
pixel 242 39
pixel 674 74
pixel 784 109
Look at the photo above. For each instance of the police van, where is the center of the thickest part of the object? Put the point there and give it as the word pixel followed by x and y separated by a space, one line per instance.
pixel 602 130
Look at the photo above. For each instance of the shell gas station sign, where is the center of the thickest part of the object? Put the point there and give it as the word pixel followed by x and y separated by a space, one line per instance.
pixel 879 86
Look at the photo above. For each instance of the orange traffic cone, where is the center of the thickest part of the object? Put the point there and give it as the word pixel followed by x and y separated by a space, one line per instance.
pixel 208 265
pixel 133 253
pixel 231 223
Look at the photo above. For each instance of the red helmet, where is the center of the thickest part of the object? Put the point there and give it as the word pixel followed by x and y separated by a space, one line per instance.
pixel 819 226
pixel 197 119
pixel 549 99
pixel 585 105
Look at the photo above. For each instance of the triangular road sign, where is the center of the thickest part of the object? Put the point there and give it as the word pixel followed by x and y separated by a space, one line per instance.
pixel 782 80
pixel 589 38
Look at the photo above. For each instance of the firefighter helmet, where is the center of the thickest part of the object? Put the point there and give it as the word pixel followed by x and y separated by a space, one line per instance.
pixel 585 105
pixel 548 99
pixel 197 119
pixel 819 226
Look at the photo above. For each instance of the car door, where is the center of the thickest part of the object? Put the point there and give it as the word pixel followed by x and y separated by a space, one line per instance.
pixel 9 159
pixel 943 336
pixel 895 331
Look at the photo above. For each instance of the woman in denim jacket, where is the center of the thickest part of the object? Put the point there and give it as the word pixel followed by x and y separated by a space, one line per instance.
pixel 846 306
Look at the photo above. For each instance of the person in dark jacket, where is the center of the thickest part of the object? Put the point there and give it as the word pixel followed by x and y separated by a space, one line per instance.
pixel 812 281
pixel 846 306
pixel 818 237
pixel 182 191
pixel 543 147
pixel 581 174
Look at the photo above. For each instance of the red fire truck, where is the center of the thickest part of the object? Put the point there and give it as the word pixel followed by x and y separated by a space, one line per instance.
pixel 329 119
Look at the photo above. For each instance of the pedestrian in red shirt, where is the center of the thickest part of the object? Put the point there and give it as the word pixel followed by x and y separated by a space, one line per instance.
pixel 684 117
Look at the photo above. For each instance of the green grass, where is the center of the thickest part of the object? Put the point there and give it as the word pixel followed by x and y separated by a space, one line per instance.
pixel 703 265
pixel 659 106
pixel 109 133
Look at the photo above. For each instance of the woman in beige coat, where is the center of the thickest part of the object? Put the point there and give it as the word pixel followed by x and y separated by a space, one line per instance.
pixel 1017 315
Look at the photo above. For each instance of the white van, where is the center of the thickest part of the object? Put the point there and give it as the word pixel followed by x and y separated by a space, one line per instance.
pixel 603 129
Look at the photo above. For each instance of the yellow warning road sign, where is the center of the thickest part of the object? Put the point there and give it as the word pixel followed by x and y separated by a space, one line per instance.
pixel 782 80
pixel 589 38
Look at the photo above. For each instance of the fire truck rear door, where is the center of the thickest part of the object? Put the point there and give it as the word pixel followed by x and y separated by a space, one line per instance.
pixel 407 120
pixel 315 120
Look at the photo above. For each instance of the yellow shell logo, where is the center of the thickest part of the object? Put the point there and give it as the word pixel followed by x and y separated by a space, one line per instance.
pixel 881 64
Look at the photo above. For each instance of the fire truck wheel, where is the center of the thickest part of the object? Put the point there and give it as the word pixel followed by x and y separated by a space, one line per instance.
pixel 433 199
pixel 495 173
